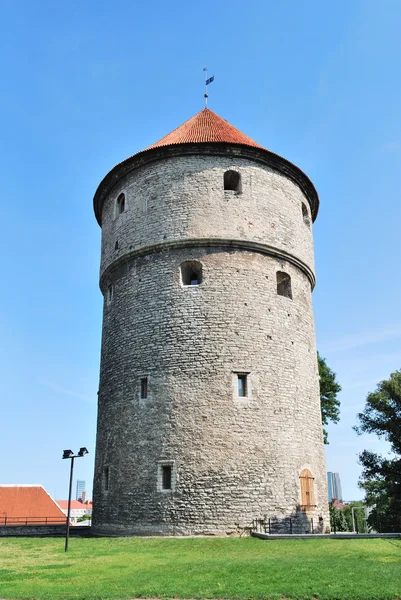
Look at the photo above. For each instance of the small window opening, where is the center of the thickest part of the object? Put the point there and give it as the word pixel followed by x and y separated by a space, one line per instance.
pixel 307 494
pixel 120 205
pixel 144 387
pixel 232 181
pixel 305 215
pixel 166 477
pixel 191 273
pixel 242 385
pixel 110 293
pixel 116 245
pixel 284 284
pixel 106 479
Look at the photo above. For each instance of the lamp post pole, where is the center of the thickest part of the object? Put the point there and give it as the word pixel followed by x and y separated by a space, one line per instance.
pixel 67 532
pixel 71 455
pixel 353 519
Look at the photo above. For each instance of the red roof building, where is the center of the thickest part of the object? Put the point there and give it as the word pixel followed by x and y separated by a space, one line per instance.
pixel 337 504
pixel 77 510
pixel 75 505
pixel 28 505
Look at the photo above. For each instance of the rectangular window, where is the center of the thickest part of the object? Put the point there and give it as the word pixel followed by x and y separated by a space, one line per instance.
pixel 166 477
pixel 242 385
pixel 106 479
pixel 144 387
pixel 110 294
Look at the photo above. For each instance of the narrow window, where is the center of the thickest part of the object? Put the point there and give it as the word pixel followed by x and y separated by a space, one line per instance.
pixel 242 385
pixel 110 293
pixel 305 215
pixel 116 245
pixel 307 495
pixel 232 181
pixel 106 479
pixel 120 204
pixel 283 284
pixel 166 477
pixel 144 387
pixel 191 273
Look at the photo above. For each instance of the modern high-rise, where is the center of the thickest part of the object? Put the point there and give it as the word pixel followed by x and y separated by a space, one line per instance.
pixel 80 488
pixel 334 486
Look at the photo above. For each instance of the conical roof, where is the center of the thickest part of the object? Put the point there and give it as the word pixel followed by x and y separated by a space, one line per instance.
pixel 205 127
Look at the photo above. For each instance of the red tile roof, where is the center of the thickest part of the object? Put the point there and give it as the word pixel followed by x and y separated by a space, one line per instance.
pixel 205 127
pixel 75 504
pixel 19 503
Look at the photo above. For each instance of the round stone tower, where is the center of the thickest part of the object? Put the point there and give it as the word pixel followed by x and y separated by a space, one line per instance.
pixel 209 411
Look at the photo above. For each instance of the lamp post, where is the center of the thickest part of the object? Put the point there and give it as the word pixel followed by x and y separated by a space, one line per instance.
pixel 71 455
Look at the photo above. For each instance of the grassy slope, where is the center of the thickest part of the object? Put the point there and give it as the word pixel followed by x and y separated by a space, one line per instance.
pixel 200 568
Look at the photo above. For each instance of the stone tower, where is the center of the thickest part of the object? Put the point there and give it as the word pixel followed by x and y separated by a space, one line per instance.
pixel 209 413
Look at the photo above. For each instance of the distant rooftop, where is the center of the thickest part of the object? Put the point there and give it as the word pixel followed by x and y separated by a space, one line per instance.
pixel 75 504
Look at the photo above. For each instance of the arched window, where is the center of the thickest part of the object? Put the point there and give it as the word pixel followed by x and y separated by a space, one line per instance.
pixel 307 495
pixel 305 215
pixel 120 204
pixel 232 181
pixel 191 273
pixel 284 284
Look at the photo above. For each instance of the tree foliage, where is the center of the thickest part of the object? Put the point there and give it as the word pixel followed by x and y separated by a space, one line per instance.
pixel 338 522
pixel 341 518
pixel 85 517
pixel 359 516
pixel 329 388
pixel 381 477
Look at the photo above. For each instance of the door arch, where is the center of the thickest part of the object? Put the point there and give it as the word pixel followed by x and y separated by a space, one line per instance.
pixel 307 491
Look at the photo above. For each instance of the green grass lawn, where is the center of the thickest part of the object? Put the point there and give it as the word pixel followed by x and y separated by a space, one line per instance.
pixel 200 568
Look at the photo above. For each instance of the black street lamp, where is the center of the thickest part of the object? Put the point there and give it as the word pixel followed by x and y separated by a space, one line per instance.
pixel 71 455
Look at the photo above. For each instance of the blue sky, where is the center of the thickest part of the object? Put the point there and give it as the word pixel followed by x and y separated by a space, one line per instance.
pixel 84 85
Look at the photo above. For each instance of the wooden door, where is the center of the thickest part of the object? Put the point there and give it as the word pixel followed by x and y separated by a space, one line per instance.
pixel 307 495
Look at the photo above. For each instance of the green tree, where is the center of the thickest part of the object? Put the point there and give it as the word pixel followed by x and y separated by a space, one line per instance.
pixel 381 477
pixel 338 522
pixel 329 388
pixel 84 517
pixel 359 516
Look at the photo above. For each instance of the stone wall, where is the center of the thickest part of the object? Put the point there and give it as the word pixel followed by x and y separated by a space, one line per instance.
pixel 234 459
pixel 183 198
pixel 42 531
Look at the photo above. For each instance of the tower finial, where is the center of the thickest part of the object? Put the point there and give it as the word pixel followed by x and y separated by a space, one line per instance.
pixel 207 81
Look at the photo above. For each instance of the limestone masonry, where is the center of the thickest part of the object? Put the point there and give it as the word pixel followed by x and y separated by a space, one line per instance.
pixel 209 410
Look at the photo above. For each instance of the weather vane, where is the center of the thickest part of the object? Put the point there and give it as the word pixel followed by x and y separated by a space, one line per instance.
pixel 207 81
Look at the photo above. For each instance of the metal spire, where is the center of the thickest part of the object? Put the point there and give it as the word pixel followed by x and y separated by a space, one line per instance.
pixel 207 81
